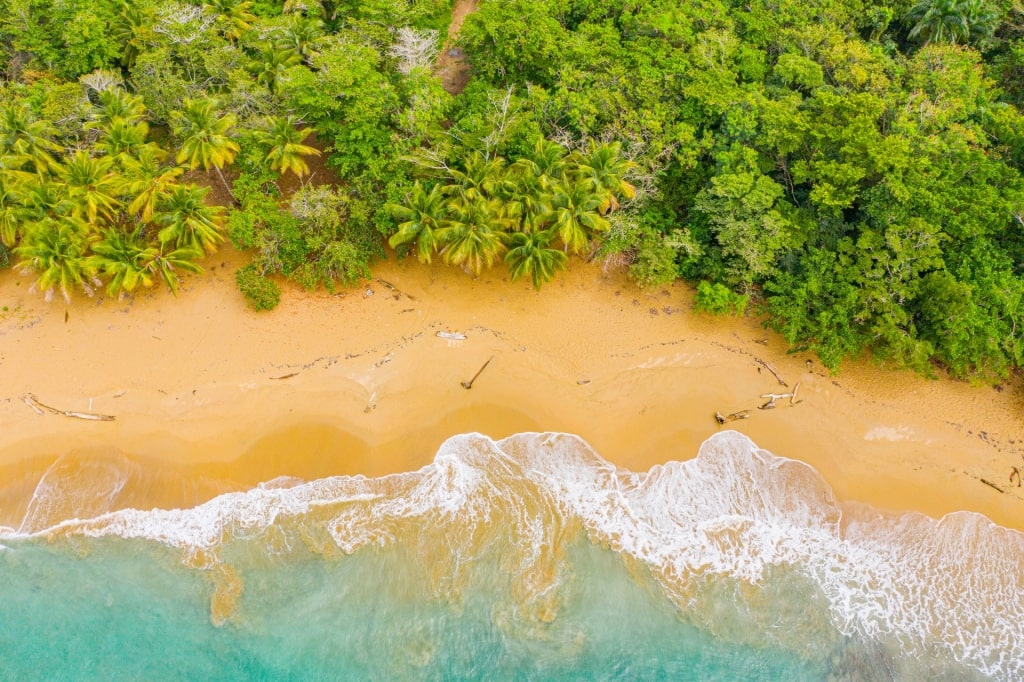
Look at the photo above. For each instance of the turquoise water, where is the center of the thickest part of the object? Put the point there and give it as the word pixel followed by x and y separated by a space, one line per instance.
pixel 524 559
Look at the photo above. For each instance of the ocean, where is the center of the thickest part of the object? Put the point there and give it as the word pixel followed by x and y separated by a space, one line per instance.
pixel 527 558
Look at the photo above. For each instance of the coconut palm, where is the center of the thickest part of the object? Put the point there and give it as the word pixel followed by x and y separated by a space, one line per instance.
pixel 234 17
pixel 271 65
pixel 91 186
pixel 147 181
pixel 474 237
pixel 58 250
pixel 531 254
pixel 121 138
pixel 480 179
pixel 576 214
pixel 12 212
pixel 423 215
pixel 546 163
pixel 187 222
pixel 127 259
pixel 131 29
pixel 205 142
pixel 952 21
pixel 24 137
pixel 168 264
pixel 114 104
pixel 603 166
pixel 299 37
pixel 284 141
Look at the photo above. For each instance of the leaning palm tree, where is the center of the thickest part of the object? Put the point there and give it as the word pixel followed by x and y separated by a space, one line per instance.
pixel 187 222
pixel 205 142
pixel 126 259
pixel 13 214
pixel 423 215
pixel 27 138
pixel 91 186
pixel 284 142
pixel 474 238
pixel 168 264
pixel 576 214
pixel 531 254
pixel 58 250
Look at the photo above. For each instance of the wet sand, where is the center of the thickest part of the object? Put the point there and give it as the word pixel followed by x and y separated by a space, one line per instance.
pixel 210 397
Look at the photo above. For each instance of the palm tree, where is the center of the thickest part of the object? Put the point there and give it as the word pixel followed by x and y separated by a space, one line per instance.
pixel 126 259
pixel 168 264
pixel 27 138
pixel 271 65
pixel 300 36
pixel 480 179
pixel 546 163
pixel 13 214
pixel 285 143
pixel 531 254
pixel 234 17
pixel 148 181
pixel 423 216
pixel 204 136
pixel 603 166
pixel 58 249
pixel 131 262
pixel 474 238
pixel 114 104
pixel 576 214
pixel 90 185
pixel 120 138
pixel 131 29
pixel 952 21
pixel 187 222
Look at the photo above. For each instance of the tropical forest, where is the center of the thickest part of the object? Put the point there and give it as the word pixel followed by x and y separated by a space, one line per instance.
pixel 848 171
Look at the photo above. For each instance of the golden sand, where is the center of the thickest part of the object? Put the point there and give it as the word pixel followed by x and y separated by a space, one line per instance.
pixel 209 396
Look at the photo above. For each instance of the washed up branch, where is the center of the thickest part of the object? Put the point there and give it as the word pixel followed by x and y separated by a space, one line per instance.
pixel 772 370
pixel 733 416
pixel 772 397
pixel 452 336
pixel 38 408
pixel 469 384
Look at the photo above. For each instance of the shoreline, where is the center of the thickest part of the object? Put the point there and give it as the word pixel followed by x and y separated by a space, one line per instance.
pixel 210 396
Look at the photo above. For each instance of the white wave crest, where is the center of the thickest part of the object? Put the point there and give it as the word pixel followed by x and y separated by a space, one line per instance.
pixel 948 588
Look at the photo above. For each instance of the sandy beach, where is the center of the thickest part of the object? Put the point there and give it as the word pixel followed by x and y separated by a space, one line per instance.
pixel 210 397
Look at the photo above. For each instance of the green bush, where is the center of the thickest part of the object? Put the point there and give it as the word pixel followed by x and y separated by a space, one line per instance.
pixel 719 299
pixel 260 292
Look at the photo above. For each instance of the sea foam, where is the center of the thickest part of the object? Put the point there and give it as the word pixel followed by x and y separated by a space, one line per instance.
pixel 735 525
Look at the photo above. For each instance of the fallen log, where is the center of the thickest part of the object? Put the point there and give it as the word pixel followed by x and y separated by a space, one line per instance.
pixel 452 336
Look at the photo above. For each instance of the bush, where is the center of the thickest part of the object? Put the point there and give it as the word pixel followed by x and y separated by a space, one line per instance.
pixel 719 299
pixel 260 292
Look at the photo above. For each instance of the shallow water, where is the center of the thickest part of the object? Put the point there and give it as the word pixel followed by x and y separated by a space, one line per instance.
pixel 526 558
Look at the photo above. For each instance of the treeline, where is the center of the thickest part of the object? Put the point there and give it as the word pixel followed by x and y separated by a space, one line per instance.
pixel 851 170
pixel 853 167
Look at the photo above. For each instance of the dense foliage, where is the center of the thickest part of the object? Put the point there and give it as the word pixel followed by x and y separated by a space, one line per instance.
pixel 851 170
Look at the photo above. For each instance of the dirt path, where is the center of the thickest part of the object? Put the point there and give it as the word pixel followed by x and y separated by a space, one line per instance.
pixel 451 66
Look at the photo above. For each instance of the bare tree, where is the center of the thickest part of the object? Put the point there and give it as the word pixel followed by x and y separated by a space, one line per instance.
pixel 414 49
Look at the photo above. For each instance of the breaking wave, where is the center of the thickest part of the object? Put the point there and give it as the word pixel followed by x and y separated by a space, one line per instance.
pixel 745 545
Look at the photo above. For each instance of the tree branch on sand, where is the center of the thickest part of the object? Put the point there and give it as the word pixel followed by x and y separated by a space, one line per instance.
pixel 38 408
pixel 772 397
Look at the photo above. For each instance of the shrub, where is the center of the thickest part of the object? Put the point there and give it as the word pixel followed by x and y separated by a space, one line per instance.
pixel 260 292
pixel 719 299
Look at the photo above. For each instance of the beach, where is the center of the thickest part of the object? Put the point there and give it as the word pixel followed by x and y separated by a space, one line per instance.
pixel 210 397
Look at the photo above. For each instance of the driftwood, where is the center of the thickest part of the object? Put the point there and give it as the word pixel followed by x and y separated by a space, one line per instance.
pixel 398 293
pixel 285 376
pixel 772 397
pixel 1015 472
pixel 452 336
pixel 38 408
pixel 990 484
pixel 742 414
pixel 469 384
pixel 772 370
